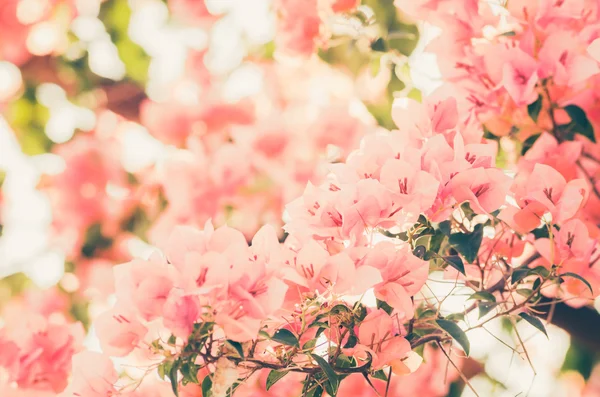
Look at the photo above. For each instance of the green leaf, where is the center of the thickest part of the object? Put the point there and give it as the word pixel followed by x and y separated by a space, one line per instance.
pixel 352 341
pixel 173 378
pixel 534 108
pixel 580 123
pixel 190 373
pixel 420 251
pixel 206 386
pixel 455 317
pixel 332 377
pixel 164 369
pixel 456 333
pixel 519 274
pixel 237 346
pixel 379 45
pixel 381 375
pixel 285 337
pixel 528 143
pixel 435 243
pixel 274 376
pixel 485 308
pixel 578 277
pixel 383 305
pixel 483 295
pixel 536 322
pixel 526 292
pixel 455 262
pixel 316 391
pixel 445 227
pixel 467 244
pixel 337 309
pixel 541 232
pixel 309 345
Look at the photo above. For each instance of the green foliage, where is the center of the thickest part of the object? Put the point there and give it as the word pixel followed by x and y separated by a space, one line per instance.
pixel 274 376
pixel 534 108
pixel 467 244
pixel 580 358
pixel 116 15
pixel 579 123
pixel 536 322
pixel 528 143
pixel 483 295
pixel 333 380
pixel 456 333
pixel 285 337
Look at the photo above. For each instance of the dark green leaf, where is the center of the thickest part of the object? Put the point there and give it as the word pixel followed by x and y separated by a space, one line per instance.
pixel 528 143
pixel 483 295
pixel 467 244
pixel 381 375
pixel 580 123
pixel 319 324
pixel 383 305
pixel 332 377
pixel 379 45
pixel 578 277
pixel 519 274
pixel 541 232
pixel 485 308
pixel 360 311
pixel 534 108
pixel 455 262
pixel 274 376
pixel 444 227
pixel 352 341
pixel 456 333
pixel 285 337
pixel 540 271
pixel 344 361
pixel 337 309
pixel 536 322
pixel 435 243
pixel 206 386
pixel 237 346
pixel 420 251
pixel 173 378
pixel 189 372
pixel 315 391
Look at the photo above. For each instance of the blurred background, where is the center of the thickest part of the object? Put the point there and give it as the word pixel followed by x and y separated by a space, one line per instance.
pixel 119 117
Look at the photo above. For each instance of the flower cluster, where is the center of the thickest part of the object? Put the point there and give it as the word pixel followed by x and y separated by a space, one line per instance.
pixel 36 344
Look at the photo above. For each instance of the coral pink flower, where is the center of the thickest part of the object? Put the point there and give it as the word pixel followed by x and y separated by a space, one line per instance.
pixel 298 26
pixel 548 187
pixel 119 332
pixel 377 335
pixel 93 376
pixel 402 273
pixel 519 76
pixel 144 286
pixel 559 58
pixel 484 189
